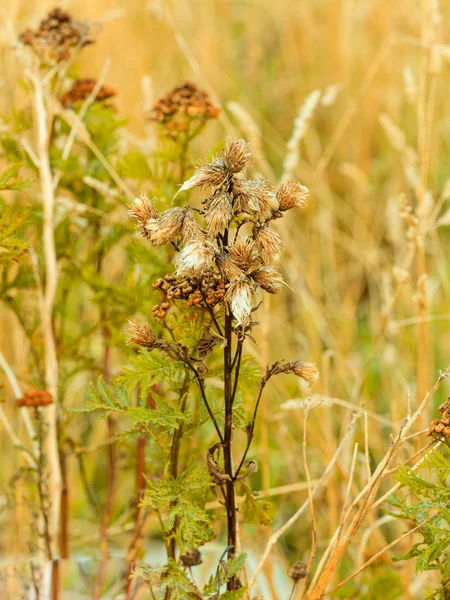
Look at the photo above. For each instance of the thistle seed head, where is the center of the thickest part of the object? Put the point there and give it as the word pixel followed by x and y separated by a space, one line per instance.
pixel 195 258
pixel 227 267
pixel 239 295
pixel 291 194
pixel 243 252
pixel 299 570
pixel 269 244
pixel 268 278
pixel 81 90
pixel 191 558
pixel 219 213
pixel 191 230
pixel 253 197
pixel 141 335
pixel 142 210
pixel 236 155
pixel 166 227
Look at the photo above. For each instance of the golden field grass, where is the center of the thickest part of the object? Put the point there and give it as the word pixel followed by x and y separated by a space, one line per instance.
pixel 368 299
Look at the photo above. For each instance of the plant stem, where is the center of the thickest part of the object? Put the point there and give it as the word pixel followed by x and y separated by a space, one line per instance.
pixel 227 451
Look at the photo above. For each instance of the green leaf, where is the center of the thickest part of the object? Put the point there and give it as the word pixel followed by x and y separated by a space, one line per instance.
pixel 10 180
pixel 134 165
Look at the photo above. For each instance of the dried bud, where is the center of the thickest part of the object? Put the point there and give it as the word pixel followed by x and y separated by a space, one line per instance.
pixel 213 174
pixel 167 227
pixel 219 212
pixel 191 558
pixel 269 244
pixel 236 155
pixel 35 398
pixel 142 210
pixel 196 257
pixel 191 229
pixel 228 267
pixel 299 570
pixel 440 428
pixel 142 336
pixel 252 197
pixel 268 278
pixel 81 90
pixel 243 252
pixel 291 194
pixel 239 295
pixel 305 370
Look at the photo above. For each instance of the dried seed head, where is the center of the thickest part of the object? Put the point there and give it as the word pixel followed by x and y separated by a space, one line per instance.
pixel 236 155
pixel 299 570
pixel 141 335
pixel 291 194
pixel 191 558
pixel 191 229
pixel 197 257
pixel 181 106
pixel 212 174
pixel 35 398
pixel 81 90
pixel 219 213
pixel 268 278
pixel 166 227
pixel 243 252
pixel 307 371
pixel 142 210
pixel 239 295
pixel 441 427
pixel 57 37
pixel 253 197
pixel 228 267
pixel 269 244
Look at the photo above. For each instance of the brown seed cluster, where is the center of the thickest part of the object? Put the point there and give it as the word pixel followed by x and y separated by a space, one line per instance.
pixel 177 109
pixel 211 288
pixel 57 37
pixel 81 90
pixel 35 398
pixel 441 427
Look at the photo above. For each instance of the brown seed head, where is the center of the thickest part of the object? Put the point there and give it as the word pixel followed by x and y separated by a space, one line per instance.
pixel 141 335
pixel 35 398
pixel 269 244
pixel 81 90
pixel 166 227
pixel 236 155
pixel 244 254
pixel 142 210
pixel 268 278
pixel 291 194
pixel 57 37
pixel 227 267
pixel 196 257
pixel 252 197
pixel 239 295
pixel 219 212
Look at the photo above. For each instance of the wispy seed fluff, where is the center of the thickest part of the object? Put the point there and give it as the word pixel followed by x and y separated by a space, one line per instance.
pixel 195 258
pixel 212 174
pixel 243 253
pixel 191 229
pixel 291 194
pixel 219 213
pixel 304 370
pixel 239 295
pixel 268 278
pixel 236 155
pixel 167 227
pixel 141 335
pixel 269 244
pixel 227 267
pixel 142 210
pixel 253 197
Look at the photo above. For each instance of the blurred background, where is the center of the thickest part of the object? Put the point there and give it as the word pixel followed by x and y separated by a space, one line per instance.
pixel 368 296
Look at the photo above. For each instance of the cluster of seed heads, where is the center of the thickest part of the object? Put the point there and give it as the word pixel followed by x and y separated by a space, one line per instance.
pixel 81 89
pixel 230 268
pixel 441 427
pixel 57 37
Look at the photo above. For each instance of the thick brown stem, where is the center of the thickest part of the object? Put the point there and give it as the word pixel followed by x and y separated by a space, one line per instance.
pixel 227 451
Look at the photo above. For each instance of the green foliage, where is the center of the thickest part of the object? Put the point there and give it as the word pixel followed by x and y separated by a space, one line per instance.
pixel 176 497
pixel 425 503
pixel 226 571
pixel 135 166
pixel 10 180
pixel 12 219
pixel 257 510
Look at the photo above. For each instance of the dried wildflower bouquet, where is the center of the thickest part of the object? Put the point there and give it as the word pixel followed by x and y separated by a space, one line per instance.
pixel 225 251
